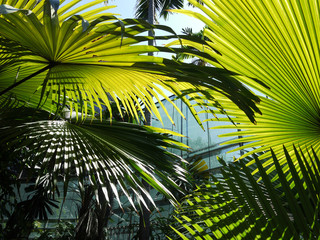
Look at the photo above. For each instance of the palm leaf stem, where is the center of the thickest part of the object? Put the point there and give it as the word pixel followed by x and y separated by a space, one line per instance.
pixel 26 79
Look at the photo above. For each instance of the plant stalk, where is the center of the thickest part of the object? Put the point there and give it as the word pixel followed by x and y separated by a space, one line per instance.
pixel 26 79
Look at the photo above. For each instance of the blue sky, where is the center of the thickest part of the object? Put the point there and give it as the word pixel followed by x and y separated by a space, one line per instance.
pixel 177 21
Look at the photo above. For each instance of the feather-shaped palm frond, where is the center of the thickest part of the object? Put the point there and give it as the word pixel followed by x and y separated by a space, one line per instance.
pixel 236 206
pixel 52 59
pixel 160 7
pixel 277 43
pixel 110 156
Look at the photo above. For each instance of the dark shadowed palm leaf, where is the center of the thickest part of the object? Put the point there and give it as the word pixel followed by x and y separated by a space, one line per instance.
pixel 113 156
pixel 38 205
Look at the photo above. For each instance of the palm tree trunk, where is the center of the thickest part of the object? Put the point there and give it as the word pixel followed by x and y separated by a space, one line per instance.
pixel 151 21
pixel 144 225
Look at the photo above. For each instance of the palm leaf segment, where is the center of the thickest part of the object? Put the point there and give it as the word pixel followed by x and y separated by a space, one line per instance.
pixel 236 206
pixel 85 61
pixel 275 42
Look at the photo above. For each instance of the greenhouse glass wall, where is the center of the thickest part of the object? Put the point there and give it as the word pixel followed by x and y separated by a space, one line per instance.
pixel 206 143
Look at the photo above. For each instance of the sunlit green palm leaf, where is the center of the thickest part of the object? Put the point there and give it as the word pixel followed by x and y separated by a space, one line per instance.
pixel 85 64
pixel 77 63
pixel 65 10
pixel 277 43
pixel 116 155
pixel 236 206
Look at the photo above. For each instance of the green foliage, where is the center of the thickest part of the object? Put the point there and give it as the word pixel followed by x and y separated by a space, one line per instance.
pixel 239 205
pixel 86 64
pixel 198 36
pixel 38 204
pixel 160 6
pixel 61 58
pixel 275 42
pixel 8 177
pixel 53 60
pixel 63 231
pixel 108 155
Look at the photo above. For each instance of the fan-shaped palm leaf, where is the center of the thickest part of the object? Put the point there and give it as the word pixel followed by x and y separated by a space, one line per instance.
pixel 72 60
pixel 63 59
pixel 116 155
pixel 275 42
pixel 236 206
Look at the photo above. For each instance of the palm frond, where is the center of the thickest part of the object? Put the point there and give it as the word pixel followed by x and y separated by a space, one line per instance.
pixel 275 42
pixel 161 7
pixel 238 206
pixel 86 63
pixel 111 156
pixel 65 9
